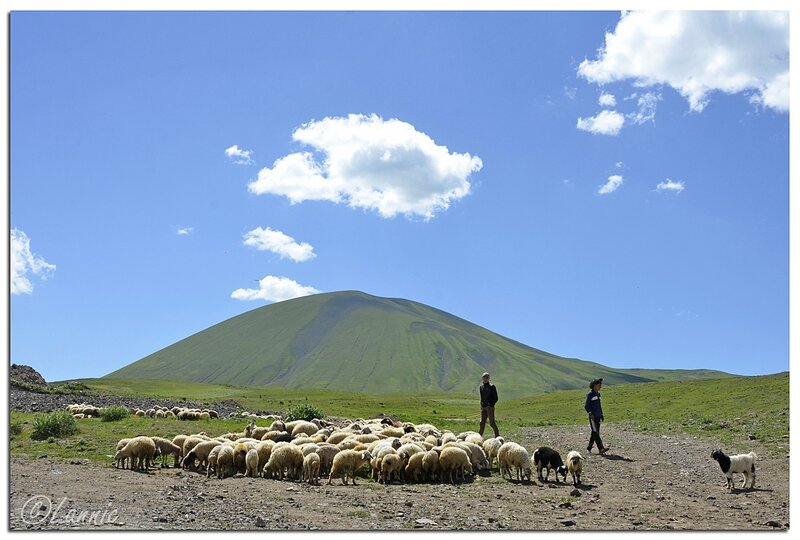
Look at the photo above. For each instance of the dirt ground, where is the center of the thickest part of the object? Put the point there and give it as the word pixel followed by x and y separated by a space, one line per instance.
pixel 646 482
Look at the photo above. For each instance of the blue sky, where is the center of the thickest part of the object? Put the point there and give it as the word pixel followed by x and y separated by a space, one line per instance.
pixel 619 198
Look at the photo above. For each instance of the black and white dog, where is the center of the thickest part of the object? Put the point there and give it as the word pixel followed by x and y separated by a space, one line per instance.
pixel 742 463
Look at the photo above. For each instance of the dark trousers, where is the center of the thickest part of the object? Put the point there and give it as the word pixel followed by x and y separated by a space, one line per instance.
pixel 594 423
pixel 488 412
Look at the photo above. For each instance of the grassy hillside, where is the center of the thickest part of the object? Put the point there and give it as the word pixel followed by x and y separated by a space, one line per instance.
pixel 729 410
pixel 353 341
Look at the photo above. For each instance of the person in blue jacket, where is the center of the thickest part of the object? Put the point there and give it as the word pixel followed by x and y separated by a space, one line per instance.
pixel 595 411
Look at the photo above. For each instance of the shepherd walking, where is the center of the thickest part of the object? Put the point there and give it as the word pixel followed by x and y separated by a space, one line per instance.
pixel 488 400
pixel 595 411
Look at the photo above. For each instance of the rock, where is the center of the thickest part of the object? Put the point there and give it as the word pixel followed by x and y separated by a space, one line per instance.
pixel 568 523
pixel 566 504
pixel 773 523
pixel 424 521
pixel 751 436
pixel 260 522
pixel 575 493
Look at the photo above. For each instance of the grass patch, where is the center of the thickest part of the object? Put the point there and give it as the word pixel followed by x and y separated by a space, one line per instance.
pixel 53 425
pixel 358 513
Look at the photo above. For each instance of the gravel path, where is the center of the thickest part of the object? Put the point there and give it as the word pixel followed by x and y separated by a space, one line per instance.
pixel 647 482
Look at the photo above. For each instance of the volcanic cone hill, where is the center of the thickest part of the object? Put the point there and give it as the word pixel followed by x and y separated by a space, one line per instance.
pixel 354 341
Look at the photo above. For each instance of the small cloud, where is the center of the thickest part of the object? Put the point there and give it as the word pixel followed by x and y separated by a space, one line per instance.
pixel 183 231
pixel 274 289
pixel 619 164
pixel 23 262
pixel 607 100
pixel 669 185
pixel 280 243
pixel 646 111
pixel 605 123
pixel 613 183
pixel 239 156
pixel 570 92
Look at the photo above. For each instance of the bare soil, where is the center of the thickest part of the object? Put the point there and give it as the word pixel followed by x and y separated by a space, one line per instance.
pixel 646 482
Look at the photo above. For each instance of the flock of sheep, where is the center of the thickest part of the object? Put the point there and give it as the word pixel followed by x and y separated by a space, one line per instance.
pixel 85 410
pixel 308 451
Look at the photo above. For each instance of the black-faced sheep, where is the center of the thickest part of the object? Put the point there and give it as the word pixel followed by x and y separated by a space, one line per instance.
pixel 514 455
pixel 575 466
pixel 744 464
pixel 547 458
pixel 346 463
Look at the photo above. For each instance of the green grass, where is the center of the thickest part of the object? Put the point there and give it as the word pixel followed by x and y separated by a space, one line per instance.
pixel 743 405
pixel 53 425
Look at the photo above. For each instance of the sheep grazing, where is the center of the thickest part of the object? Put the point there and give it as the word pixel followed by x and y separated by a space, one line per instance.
pixel 224 464
pixel 251 463
pixel 510 455
pixel 391 467
pixel 311 465
pixel 121 462
pixel 547 458
pixel 346 463
pixel 575 466
pixel 454 461
pixel 744 464
pixel 199 453
pixel 430 465
pixel 414 470
pixel 166 448
pixel 326 453
pixel 285 459
pixel 141 451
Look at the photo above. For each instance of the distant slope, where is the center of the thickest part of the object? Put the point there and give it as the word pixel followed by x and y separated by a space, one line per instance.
pixel 358 342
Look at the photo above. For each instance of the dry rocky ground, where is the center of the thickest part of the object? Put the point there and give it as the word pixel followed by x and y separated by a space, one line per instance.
pixel 646 482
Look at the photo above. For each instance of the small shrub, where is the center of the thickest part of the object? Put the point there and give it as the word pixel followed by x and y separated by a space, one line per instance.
pixel 52 425
pixel 303 412
pixel 15 427
pixel 114 413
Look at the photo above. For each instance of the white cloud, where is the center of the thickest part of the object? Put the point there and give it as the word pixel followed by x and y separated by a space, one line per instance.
pixel 613 183
pixel 646 111
pixel 280 243
pixel 183 231
pixel 669 185
pixel 698 52
pixel 605 123
pixel 370 163
pixel 239 156
pixel 23 262
pixel 607 100
pixel 619 164
pixel 570 92
pixel 274 289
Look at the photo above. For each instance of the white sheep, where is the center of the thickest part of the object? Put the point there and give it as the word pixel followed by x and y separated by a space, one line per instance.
pixel 122 462
pixel 430 465
pixel 454 461
pixel 346 463
pixel 285 457
pixel 224 465
pixel 166 448
pixel 575 466
pixel 140 450
pixel 199 453
pixel 491 447
pixel 414 470
pixel 512 454
pixel 311 465
pixel 391 467
pixel 744 464
pixel 326 453
pixel 251 463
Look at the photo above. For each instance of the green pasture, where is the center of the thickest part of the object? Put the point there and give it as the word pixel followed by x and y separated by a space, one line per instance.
pixel 731 410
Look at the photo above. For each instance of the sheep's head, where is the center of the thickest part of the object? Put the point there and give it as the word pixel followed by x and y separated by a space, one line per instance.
pixel 396 443
pixel 526 473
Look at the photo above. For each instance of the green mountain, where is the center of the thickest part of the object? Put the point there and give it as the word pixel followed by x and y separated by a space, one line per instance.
pixel 358 342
